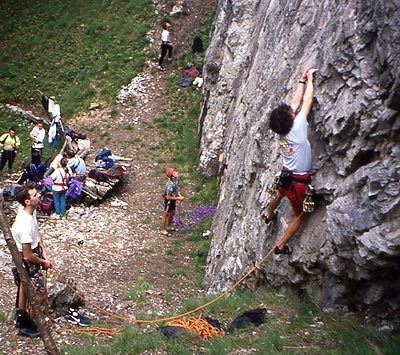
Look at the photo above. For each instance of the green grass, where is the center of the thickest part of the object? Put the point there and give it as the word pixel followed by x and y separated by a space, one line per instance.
pixel 23 126
pixel 319 334
pixel 78 51
pixel 137 292
pixel 84 51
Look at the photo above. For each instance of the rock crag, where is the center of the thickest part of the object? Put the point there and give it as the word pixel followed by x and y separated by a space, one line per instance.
pixel 347 253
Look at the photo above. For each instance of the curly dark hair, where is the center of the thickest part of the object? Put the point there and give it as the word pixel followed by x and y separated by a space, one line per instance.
pixel 281 120
pixel 23 194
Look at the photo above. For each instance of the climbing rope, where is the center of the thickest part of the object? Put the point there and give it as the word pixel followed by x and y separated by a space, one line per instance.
pixel 173 319
pixel 198 325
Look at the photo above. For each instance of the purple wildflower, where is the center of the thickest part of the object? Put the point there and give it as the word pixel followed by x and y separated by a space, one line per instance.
pixel 195 217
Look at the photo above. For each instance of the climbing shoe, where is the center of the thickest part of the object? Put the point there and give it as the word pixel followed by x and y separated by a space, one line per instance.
pixel 23 320
pixel 75 317
pixel 32 332
pixel 269 220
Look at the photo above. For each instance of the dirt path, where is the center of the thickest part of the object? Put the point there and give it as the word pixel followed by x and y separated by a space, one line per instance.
pixel 110 249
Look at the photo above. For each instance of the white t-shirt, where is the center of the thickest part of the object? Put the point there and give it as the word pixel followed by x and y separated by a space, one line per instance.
pixel 165 36
pixel 296 148
pixel 39 134
pixel 25 229
pixel 55 161
pixel 59 177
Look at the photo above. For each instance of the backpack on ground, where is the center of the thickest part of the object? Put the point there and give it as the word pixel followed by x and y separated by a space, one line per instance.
pixel 192 72
pixel 75 189
pixel 197 45
pixel 115 172
pixel 98 175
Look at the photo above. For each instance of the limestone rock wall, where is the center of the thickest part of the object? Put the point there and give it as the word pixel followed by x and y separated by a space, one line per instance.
pixel 347 253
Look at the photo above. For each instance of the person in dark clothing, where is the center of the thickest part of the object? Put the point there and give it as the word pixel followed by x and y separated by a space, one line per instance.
pixel 9 143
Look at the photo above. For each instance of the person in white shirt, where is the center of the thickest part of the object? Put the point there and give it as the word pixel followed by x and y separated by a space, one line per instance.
pixel 28 239
pixel 60 187
pixel 37 136
pixel 290 123
pixel 166 45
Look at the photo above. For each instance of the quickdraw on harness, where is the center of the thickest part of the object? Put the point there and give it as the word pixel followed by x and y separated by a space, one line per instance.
pixel 308 203
pixel 285 179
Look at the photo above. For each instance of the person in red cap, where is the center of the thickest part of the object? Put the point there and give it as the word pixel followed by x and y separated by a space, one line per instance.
pixel 171 195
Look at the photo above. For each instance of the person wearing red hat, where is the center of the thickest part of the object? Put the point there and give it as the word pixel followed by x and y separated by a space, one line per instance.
pixel 171 195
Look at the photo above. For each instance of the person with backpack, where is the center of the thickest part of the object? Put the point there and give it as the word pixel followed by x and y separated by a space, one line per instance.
pixel 9 142
pixel 60 187
pixel 28 239
pixel 37 136
pixel 166 45
pixel 171 195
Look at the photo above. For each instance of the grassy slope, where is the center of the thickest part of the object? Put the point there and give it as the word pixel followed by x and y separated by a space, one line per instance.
pixel 78 51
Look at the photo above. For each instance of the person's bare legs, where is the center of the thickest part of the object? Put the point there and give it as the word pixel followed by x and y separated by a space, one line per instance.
pixel 21 298
pixel 164 220
pixel 292 228
pixel 169 220
pixel 273 204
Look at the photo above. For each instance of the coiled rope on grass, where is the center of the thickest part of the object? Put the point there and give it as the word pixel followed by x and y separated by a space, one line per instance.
pixel 172 318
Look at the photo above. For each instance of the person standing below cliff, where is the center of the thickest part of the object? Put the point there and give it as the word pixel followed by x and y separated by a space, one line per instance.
pixel 9 143
pixel 166 45
pixel 29 242
pixel 37 136
pixel 171 195
pixel 60 187
pixel 290 123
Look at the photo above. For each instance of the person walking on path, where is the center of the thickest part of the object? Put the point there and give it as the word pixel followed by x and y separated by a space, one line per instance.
pixel 29 242
pixel 171 195
pixel 290 123
pixel 60 187
pixel 9 143
pixel 166 45
pixel 37 136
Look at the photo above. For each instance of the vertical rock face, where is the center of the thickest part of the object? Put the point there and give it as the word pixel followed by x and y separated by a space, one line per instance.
pixel 347 253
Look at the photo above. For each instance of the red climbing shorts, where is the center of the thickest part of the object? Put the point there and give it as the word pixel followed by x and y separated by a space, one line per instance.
pixel 296 192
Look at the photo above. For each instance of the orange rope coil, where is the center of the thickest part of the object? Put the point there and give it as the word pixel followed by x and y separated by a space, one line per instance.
pixel 198 325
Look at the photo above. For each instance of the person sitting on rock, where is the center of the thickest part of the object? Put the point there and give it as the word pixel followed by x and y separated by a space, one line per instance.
pixel 290 123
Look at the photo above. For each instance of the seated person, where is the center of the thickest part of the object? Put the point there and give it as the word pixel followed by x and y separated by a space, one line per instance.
pixel 32 173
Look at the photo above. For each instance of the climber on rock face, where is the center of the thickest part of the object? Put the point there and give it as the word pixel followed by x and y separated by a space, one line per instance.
pixel 290 123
